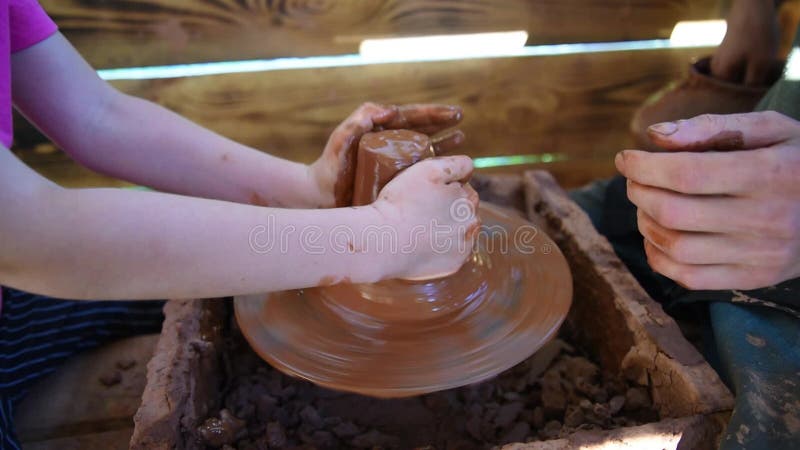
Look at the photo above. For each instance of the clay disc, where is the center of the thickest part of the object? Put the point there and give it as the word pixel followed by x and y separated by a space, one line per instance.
pixel 400 338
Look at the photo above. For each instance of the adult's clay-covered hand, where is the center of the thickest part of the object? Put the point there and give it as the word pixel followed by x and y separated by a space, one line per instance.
pixel 716 219
pixel 749 49
pixel 333 172
pixel 433 212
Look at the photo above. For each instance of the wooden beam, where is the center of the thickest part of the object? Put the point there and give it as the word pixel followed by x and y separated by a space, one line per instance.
pixel 126 33
pixel 578 104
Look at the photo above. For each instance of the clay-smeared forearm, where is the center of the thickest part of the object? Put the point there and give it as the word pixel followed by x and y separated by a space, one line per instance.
pixel 119 244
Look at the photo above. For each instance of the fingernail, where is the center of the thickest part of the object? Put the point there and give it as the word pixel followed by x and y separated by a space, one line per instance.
pixel 664 128
pixel 619 160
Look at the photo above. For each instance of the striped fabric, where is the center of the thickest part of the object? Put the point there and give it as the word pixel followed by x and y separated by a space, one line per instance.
pixel 38 333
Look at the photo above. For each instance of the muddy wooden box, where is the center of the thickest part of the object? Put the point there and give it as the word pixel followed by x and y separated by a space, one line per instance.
pixel 612 318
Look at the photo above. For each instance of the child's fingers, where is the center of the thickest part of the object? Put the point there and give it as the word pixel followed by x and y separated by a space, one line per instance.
pixel 425 118
pixel 449 169
pixel 446 141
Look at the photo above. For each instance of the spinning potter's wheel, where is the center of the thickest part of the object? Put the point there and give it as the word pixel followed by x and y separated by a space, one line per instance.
pixel 399 338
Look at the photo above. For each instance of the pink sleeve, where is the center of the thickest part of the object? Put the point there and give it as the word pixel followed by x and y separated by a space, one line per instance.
pixel 28 23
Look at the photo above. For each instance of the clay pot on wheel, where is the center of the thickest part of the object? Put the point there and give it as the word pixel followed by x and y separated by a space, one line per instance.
pixel 399 338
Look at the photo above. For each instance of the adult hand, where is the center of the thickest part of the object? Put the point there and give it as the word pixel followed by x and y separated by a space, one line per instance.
pixel 716 219
pixel 433 210
pixel 749 49
pixel 333 172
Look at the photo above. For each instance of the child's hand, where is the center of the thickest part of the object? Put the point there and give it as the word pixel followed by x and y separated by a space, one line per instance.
pixel 432 210
pixel 333 172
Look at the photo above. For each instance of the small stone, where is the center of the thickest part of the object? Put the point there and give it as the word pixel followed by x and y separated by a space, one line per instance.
pixel 511 396
pixel 507 414
pixel 276 435
pixel 615 404
pixel 288 392
pixel 332 421
pixel 475 409
pixel 538 417
pixel 111 378
pixel 580 367
pixel 584 386
pixel 374 438
pixel 574 417
pixel 310 416
pixel 258 444
pixel 517 433
pixel 599 395
pixel 125 364
pixel 217 432
pixel 473 427
pixel 551 430
pixel 323 439
pixel 265 407
pixel 554 402
pixel 636 398
pixel 346 430
pixel 601 411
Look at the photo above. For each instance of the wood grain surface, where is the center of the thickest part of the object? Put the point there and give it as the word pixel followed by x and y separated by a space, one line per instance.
pixel 578 105
pixel 124 33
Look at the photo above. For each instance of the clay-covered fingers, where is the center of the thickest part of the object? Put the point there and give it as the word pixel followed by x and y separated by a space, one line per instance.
pixel 709 276
pixel 719 214
pixel 724 132
pixel 365 118
pixel 448 169
pixel 446 141
pixel 340 151
pixel 432 202
pixel 732 173
pixel 424 118
pixel 705 248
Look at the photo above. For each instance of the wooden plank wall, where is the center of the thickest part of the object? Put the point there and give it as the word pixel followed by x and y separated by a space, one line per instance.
pixel 577 104
pixel 124 33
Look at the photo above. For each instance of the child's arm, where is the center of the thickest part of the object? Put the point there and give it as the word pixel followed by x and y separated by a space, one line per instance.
pixel 113 243
pixel 139 141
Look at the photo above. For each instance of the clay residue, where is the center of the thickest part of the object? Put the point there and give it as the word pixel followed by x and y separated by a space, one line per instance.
pixel 726 140
pixel 257 200
pixel 224 430
pixel 755 341
pixel 741 434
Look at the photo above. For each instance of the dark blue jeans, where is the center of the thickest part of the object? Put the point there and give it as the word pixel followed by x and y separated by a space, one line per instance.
pixel 37 334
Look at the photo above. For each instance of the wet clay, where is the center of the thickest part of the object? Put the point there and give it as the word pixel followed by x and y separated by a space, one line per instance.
pixel 343 187
pixel 724 141
pixel 401 338
pixel 257 200
pixel 381 156
pixel 550 395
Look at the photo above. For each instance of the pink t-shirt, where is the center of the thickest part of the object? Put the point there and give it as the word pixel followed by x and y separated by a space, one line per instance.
pixel 23 23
